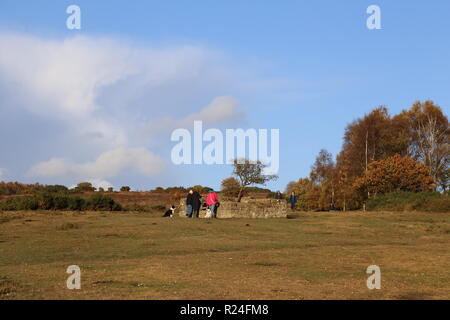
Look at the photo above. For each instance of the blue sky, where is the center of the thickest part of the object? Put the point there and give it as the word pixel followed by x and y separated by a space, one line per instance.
pixel 99 103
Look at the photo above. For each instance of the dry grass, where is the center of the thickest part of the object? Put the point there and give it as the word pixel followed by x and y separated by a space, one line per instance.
pixel 142 256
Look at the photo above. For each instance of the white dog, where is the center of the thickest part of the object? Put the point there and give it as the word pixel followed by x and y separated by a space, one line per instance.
pixel 208 213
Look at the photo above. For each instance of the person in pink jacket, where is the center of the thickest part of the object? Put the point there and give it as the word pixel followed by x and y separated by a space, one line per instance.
pixel 212 202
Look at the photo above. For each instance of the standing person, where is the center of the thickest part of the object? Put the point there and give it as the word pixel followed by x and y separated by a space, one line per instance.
pixel 189 203
pixel 293 200
pixel 196 204
pixel 212 202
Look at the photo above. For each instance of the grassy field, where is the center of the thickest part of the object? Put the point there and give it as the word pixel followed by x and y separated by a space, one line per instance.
pixel 141 256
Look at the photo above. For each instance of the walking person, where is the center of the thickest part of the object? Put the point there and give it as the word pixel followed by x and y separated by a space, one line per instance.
pixel 196 204
pixel 293 200
pixel 189 203
pixel 212 202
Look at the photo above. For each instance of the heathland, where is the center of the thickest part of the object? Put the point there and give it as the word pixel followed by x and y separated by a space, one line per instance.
pixel 139 255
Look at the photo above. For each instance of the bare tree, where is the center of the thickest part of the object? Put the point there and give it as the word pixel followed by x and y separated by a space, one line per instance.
pixel 430 139
pixel 433 152
pixel 249 173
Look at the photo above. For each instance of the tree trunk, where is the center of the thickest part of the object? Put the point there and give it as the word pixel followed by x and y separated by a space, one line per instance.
pixel 345 203
pixel 240 194
pixel 367 145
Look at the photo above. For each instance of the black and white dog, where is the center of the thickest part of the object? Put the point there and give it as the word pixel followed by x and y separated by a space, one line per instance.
pixel 169 213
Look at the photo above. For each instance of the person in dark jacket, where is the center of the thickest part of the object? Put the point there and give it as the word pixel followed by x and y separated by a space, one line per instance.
pixel 196 204
pixel 189 203
pixel 293 200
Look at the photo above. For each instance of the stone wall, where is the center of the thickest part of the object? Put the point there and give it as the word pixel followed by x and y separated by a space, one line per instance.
pixel 247 208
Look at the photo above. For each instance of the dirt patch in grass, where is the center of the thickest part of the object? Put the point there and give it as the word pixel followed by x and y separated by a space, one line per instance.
pixel 415 296
pixel 7 287
pixel 68 226
pixel 266 264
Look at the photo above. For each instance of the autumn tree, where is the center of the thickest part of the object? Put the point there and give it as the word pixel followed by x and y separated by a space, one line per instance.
pixel 323 175
pixel 12 188
pixel 374 137
pixel 230 187
pixel 84 186
pixel 395 173
pixel 421 133
pixel 365 140
pixel 125 189
pixel 307 193
pixel 201 189
pixel 346 197
pixel 430 139
pixel 249 173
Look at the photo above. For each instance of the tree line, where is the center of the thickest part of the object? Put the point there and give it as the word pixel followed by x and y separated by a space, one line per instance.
pixel 380 154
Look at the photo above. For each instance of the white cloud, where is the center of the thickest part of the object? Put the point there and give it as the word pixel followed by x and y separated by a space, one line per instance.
pixel 69 74
pixel 98 183
pixel 98 85
pixel 98 93
pixel 221 110
pixel 65 74
pixel 108 164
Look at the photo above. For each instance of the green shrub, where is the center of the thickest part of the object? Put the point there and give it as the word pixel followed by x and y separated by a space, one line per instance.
pixel 410 201
pixel 102 202
pixel 60 202
pixel 19 203
pixel 4 205
pixel 54 189
pixel 76 203
pixel 28 203
pixel 47 201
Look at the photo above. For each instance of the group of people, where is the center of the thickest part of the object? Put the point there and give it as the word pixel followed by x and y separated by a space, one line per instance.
pixel 194 203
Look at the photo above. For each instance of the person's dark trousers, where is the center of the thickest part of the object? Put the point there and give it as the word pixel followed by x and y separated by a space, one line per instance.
pixel 292 206
pixel 195 210
pixel 214 211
